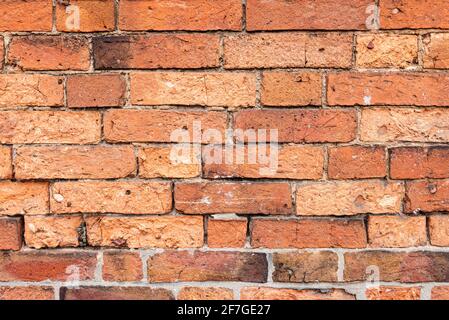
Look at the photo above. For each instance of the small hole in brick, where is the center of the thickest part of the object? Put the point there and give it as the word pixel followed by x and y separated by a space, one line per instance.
pixel 128 192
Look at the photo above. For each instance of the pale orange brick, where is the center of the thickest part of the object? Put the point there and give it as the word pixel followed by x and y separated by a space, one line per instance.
pixel 53 232
pixel 440 293
pixel 226 233
pixel 74 162
pixel 405 124
pixel 292 49
pixel 5 163
pixel 10 233
pixel 115 293
pixel 49 127
pixel 439 230
pixel 396 231
pixel 169 162
pixel 209 293
pixel 19 15
pixel 99 90
pixel 49 53
pixel 427 196
pixel 131 197
pixel 122 266
pixel 265 293
pixel 191 88
pixel 200 15
pixel 393 293
pixel 27 293
pixel 23 198
pixel 387 50
pixel 145 232
pixel 436 52
pixel 349 198
pixel 94 15
pixel 357 162
pixel 291 89
pixel 34 90
pixel 283 162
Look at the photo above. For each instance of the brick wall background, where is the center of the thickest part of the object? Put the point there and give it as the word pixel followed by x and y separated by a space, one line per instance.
pixel 92 207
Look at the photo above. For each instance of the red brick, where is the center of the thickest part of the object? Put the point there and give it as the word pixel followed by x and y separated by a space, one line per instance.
pixel 196 15
pixel 115 293
pixel 194 88
pixel 419 163
pixel 265 293
pixel 5 162
pixel 357 162
pixel 26 293
pixel 23 198
pixel 226 233
pixel 393 293
pixel 10 234
pixel 440 293
pixel 427 196
pixel 47 265
pixel 308 14
pixel 308 233
pixel 436 53
pixel 210 293
pixel 19 15
pixel 243 198
pixel 439 230
pixel 49 53
pixel 19 127
pixel 288 50
pixel 300 126
pixel 122 266
pixel 99 90
pixel 130 197
pixel 184 266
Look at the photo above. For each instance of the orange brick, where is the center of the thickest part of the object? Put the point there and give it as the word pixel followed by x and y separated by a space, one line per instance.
pixel 288 50
pixel 427 196
pixel 105 90
pixel 49 53
pixel 26 293
pixel 10 233
pixel 393 293
pixel 436 52
pixel 94 15
pixel 226 233
pixel 440 293
pixel 23 198
pixel 193 88
pixel 122 266
pixel 5 163
pixel 19 15
pixel 49 127
pixel 200 15
pixel 357 162
pixel 439 230
pixel 265 293
pixel 210 293
pixel 131 197
pixel 291 89
pixel 115 293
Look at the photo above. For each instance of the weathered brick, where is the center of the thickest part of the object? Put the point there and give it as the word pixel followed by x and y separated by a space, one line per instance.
pixel 19 15
pixel 193 88
pixel 49 53
pixel 393 293
pixel 158 125
pixel 243 198
pixel 165 162
pixel 131 197
pixel 427 196
pixel 209 293
pixel 145 232
pixel 411 267
pixel 265 293
pixel 53 232
pixel 349 198
pixel 99 90
pixel 226 233
pixel 10 233
pixel 282 161
pixel 357 162
pixel 440 293
pixel 436 52
pixel 184 266
pixel 115 293
pixel 308 233
pixel 405 124
pixel 31 90
pixel 74 162
pixel 387 50
pixel 288 50
pixel 419 162
pixel 27 293
pixel 308 14
pixel 305 267
pixel 291 89
pixel 396 231
pixel 49 127
pixel 391 89
pixel 23 198
pixel 439 230
pixel 413 14
pixel 5 162
pixel 94 15
pixel 47 265
pixel 2 52
pixel 157 51
pixel 300 126
pixel 196 15
pixel 122 266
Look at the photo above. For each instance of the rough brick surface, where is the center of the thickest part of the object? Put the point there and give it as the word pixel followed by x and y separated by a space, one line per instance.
pixel 10 233
pixel 26 198
pixel 26 293
pixel 265 293
pixel 199 293
pixel 393 293
pixel 115 293
pixel 226 233
pixel 118 266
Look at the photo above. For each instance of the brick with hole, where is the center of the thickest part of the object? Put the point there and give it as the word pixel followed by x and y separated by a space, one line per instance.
pixel 209 293
pixel 102 90
pixel 115 293
pixel 427 196
pixel 26 293
pixel 5 162
pixel 439 230
pixel 23 198
pixel 393 293
pixel 119 266
pixel 436 53
pixel 266 293
pixel 145 232
pixel 19 15
pixel 226 233
pixel 10 233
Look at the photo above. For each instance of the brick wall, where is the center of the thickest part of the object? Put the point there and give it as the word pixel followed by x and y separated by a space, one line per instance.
pixel 92 205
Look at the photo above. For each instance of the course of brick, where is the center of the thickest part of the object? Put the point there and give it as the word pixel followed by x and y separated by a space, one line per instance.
pixel 92 207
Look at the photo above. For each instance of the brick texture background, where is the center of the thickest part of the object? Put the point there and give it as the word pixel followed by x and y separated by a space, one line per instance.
pixel 91 207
